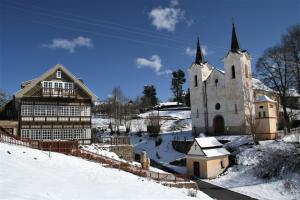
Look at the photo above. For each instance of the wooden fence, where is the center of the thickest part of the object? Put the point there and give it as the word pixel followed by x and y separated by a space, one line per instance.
pixel 181 181
pixel 71 147
pixel 119 140
pixel 45 145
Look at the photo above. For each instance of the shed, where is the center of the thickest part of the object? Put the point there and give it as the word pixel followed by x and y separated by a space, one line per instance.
pixel 207 158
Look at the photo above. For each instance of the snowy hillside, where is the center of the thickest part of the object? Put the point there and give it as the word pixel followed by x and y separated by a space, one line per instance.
pixel 170 120
pixel 31 174
pixel 164 153
pixel 266 171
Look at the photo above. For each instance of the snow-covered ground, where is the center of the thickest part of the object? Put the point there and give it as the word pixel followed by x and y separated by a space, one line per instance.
pixel 174 123
pixel 170 120
pixel 31 174
pixel 105 151
pixel 164 153
pixel 243 178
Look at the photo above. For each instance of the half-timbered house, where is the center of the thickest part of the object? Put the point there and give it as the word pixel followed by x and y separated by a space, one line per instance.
pixel 54 106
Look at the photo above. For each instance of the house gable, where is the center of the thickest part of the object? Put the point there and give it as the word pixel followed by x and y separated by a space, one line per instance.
pixel 34 86
pixel 196 149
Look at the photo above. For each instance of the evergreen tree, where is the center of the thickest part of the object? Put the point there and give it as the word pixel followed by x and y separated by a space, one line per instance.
pixel 187 98
pixel 178 80
pixel 149 98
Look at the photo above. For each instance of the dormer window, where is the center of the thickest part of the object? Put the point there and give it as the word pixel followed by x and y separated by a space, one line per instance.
pixel 58 74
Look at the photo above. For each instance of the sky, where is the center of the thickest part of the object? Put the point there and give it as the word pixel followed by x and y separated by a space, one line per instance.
pixel 131 43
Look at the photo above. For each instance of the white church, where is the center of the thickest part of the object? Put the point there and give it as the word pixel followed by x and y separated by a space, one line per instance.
pixel 221 101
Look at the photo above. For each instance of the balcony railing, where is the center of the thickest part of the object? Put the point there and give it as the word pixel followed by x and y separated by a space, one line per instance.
pixel 58 92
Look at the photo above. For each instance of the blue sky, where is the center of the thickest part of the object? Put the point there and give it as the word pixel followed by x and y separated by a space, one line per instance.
pixel 131 43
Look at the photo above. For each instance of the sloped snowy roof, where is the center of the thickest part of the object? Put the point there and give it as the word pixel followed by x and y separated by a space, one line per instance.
pixel 223 72
pixel 294 93
pixel 264 98
pixel 216 152
pixel 258 85
pixel 206 142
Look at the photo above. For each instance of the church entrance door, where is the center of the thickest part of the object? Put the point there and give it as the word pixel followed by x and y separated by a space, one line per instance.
pixel 219 126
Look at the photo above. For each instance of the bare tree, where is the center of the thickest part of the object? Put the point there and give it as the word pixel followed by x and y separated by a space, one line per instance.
pixel 153 124
pixel 275 71
pixel 3 98
pixel 291 44
pixel 250 110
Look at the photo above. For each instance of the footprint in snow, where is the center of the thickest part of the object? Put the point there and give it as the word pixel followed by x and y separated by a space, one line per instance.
pixel 8 152
pixel 34 158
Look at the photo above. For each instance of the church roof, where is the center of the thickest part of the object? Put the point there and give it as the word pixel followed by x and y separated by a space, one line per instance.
pixel 235 46
pixel 199 56
pixel 258 85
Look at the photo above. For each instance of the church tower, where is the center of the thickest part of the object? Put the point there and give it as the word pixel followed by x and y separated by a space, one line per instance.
pixel 238 84
pixel 199 71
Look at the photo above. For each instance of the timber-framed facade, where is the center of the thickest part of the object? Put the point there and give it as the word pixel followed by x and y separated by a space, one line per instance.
pixel 55 106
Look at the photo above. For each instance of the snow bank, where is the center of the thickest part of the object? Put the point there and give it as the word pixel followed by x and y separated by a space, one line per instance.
pixel 242 177
pixel 31 174
pixel 164 153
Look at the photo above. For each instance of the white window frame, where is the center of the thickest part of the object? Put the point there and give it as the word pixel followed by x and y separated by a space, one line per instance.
pixel 58 74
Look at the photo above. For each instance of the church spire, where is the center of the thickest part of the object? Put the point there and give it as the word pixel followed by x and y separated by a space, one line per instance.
pixel 199 57
pixel 234 41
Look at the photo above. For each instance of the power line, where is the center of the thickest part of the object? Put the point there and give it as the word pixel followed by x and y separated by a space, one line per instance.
pixel 95 33
pixel 115 26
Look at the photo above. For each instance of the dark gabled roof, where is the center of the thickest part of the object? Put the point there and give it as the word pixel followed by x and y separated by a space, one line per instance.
pixel 42 77
pixel 199 56
pixel 235 46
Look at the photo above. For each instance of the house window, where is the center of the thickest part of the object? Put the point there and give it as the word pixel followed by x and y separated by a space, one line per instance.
pixel 235 108
pixel 217 106
pixel 264 114
pixel 196 80
pixel 261 107
pixel 259 115
pixel 232 72
pixel 58 74
pixel 246 71
pixel 197 114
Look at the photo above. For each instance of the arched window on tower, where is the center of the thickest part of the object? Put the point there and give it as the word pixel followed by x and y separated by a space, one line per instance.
pixel 232 72
pixel 246 71
pixel 196 81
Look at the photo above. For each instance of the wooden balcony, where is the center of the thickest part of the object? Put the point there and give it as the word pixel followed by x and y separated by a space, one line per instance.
pixel 59 92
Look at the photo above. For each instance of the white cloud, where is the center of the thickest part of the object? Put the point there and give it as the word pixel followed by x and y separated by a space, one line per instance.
pixel 166 18
pixel 70 45
pixel 174 3
pixel 154 62
pixel 192 51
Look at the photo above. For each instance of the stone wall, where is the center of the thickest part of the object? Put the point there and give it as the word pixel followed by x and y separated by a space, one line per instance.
pixel 123 151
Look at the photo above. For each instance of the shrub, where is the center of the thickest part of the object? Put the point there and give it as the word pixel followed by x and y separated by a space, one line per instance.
pixel 153 130
pixel 158 141
pixel 278 163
